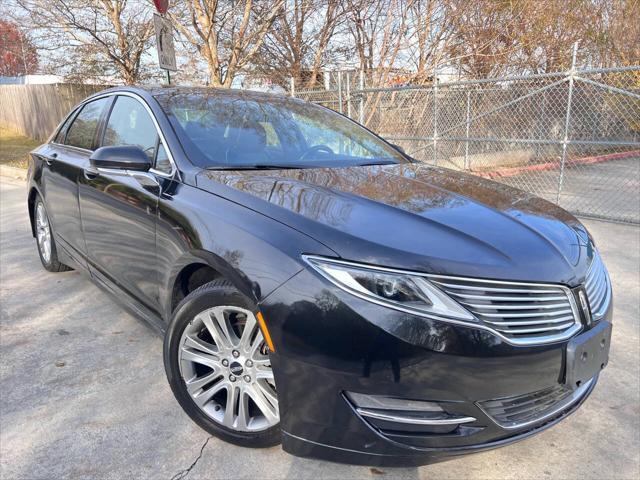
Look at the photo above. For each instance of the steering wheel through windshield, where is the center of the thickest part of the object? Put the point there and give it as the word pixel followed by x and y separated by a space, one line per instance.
pixel 316 149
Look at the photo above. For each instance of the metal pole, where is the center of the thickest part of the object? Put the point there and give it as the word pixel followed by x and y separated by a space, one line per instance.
pixel 292 87
pixel 339 91
pixel 361 115
pixel 349 94
pixel 466 143
pixel 168 77
pixel 435 117
pixel 567 120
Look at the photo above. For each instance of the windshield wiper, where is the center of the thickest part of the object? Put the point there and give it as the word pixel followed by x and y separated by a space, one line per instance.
pixel 379 162
pixel 258 166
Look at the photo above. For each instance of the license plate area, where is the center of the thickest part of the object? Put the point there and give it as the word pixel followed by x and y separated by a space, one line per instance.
pixel 587 354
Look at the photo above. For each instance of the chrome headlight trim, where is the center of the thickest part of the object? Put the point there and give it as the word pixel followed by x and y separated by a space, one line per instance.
pixel 442 306
pixel 313 260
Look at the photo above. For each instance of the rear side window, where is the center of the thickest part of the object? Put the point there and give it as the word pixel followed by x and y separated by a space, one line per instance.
pixel 63 129
pixel 130 124
pixel 82 131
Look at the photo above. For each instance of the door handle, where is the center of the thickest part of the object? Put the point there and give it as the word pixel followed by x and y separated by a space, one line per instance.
pixel 48 159
pixel 90 173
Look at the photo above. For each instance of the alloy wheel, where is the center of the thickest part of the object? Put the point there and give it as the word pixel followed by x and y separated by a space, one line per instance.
pixel 43 232
pixel 225 365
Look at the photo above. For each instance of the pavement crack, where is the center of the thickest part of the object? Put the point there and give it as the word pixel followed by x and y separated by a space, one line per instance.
pixel 183 473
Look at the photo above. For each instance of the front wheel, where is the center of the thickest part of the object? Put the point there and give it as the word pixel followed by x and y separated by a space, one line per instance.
pixel 218 366
pixel 44 237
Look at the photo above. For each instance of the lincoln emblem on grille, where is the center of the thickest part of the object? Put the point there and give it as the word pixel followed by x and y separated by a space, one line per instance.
pixel 585 306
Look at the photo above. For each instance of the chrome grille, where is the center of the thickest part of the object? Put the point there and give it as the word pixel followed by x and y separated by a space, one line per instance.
pixel 522 410
pixel 598 288
pixel 522 313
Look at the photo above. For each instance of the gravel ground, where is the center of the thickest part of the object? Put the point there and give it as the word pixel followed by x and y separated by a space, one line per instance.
pixel 83 391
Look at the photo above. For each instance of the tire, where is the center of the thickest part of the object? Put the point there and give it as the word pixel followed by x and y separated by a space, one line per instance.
pixel 45 240
pixel 222 379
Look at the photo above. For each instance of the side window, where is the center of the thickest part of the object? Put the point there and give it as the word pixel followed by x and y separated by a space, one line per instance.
pixel 82 131
pixel 63 129
pixel 130 124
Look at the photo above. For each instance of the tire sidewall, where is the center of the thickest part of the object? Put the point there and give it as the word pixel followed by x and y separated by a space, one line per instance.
pixel 54 253
pixel 210 295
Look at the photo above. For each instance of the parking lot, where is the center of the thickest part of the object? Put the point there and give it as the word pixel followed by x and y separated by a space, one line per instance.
pixel 84 394
pixel 605 190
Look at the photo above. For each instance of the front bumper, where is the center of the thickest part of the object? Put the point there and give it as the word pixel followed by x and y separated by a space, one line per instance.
pixel 329 342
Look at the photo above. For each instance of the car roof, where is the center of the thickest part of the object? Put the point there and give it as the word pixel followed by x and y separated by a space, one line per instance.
pixel 227 93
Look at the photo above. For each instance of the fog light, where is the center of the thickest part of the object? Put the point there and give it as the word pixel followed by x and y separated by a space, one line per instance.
pixel 389 403
pixel 401 415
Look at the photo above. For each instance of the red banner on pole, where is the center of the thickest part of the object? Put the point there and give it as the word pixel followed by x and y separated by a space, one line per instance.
pixel 161 5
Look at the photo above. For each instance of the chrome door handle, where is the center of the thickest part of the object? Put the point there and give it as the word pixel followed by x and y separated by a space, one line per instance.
pixel 90 173
pixel 48 159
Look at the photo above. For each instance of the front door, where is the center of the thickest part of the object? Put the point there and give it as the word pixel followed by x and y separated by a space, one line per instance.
pixel 119 209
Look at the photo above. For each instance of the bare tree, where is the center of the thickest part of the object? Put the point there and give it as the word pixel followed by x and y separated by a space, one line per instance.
pixel 96 38
pixel 379 32
pixel 297 44
pixel 431 29
pixel 227 35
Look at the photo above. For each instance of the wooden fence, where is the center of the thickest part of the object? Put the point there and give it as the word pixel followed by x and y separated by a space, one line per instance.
pixel 36 110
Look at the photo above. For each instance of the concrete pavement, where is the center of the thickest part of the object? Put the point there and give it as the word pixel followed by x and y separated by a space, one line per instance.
pixel 83 392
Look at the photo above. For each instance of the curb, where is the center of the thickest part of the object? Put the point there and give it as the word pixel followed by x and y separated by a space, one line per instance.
pixel 512 171
pixel 13 172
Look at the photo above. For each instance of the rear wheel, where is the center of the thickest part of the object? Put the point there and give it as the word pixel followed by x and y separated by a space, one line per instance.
pixel 46 243
pixel 218 366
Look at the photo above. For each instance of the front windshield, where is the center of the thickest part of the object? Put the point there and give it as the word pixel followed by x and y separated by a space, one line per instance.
pixel 239 130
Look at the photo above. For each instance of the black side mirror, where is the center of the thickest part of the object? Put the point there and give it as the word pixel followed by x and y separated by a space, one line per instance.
pixel 398 147
pixel 121 158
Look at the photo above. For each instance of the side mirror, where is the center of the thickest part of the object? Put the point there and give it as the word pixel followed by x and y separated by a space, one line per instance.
pixel 398 147
pixel 121 158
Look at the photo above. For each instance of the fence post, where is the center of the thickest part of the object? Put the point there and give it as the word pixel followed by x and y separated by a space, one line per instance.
pixel 348 95
pixel 466 140
pixel 567 120
pixel 292 84
pixel 361 114
pixel 339 91
pixel 435 117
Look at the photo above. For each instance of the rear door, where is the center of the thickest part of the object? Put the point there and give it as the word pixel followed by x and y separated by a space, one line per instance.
pixel 119 208
pixel 65 158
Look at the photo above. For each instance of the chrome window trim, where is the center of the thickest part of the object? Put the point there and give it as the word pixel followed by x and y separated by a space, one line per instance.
pixel 542 340
pixel 174 167
pixel 365 412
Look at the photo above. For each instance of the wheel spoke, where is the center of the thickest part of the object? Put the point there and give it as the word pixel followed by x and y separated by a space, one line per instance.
pixel 233 392
pixel 261 400
pixel 200 357
pixel 254 351
pixel 198 344
pixel 217 326
pixel 195 384
pixel 249 328
pixel 243 419
pixel 202 398
pixel 264 374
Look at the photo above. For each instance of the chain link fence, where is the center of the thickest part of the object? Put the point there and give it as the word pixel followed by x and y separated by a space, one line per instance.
pixel 572 138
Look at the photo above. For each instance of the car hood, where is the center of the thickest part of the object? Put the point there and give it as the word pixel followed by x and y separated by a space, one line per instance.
pixel 418 217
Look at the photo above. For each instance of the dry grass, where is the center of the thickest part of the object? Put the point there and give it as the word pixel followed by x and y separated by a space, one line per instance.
pixel 15 148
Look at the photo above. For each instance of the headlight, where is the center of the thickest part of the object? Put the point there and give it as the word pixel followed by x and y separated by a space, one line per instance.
pixel 405 291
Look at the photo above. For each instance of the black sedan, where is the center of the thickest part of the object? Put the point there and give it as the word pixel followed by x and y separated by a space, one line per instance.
pixel 316 286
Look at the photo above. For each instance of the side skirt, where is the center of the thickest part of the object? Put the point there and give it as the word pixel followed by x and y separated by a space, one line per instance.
pixel 121 297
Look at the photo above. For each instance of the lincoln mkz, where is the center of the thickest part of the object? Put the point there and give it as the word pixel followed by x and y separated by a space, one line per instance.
pixel 317 286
